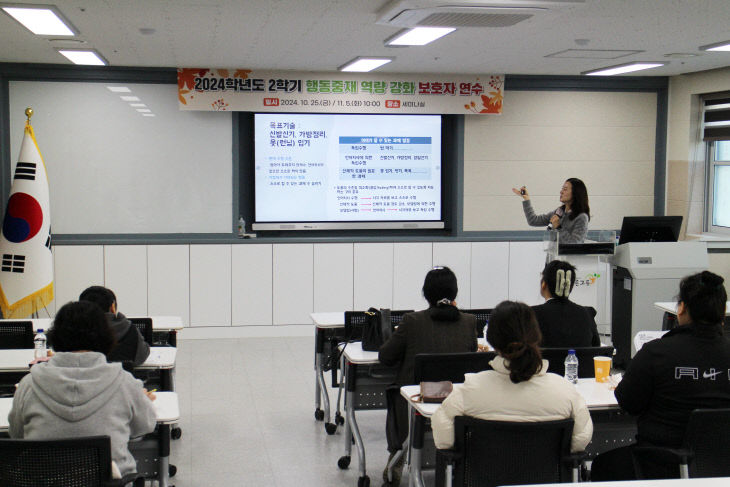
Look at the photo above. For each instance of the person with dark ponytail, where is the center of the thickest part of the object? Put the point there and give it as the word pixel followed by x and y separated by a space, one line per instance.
pixel 563 323
pixel 684 370
pixel 570 219
pixel 441 328
pixel 519 388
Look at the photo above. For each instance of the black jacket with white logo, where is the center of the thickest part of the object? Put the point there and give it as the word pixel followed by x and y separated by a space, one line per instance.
pixel 686 369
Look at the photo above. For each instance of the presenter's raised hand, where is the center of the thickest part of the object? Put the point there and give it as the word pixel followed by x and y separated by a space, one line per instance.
pixel 522 192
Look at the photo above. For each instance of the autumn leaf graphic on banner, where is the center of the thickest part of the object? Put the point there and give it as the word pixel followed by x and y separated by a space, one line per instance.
pixel 492 102
pixel 186 81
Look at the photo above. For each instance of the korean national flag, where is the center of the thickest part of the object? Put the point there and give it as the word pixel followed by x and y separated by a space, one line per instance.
pixel 26 267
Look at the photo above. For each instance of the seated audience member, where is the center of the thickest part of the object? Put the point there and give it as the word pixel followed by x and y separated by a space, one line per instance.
pixel 130 346
pixel 562 322
pixel 77 393
pixel 441 328
pixel 519 388
pixel 661 397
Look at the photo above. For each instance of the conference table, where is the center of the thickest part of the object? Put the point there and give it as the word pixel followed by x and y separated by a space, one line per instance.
pixel 166 326
pixel 327 325
pixel 599 398
pixel 168 412
pixel 14 361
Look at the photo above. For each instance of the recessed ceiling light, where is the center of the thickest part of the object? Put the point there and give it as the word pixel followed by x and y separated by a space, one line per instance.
pixel 680 55
pixel 148 114
pixel 364 64
pixel 622 69
pixel 141 105
pixel 718 46
pixel 42 20
pixel 129 98
pixel 83 56
pixel 418 36
pixel 118 89
pixel 144 110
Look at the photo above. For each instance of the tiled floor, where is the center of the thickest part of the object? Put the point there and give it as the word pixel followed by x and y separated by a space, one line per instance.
pixel 247 409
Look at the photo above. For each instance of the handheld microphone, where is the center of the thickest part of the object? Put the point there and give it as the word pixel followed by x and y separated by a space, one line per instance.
pixel 559 212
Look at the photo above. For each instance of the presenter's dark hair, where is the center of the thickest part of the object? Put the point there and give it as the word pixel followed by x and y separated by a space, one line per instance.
pixel 81 325
pixel 557 282
pixel 514 333
pixel 440 283
pixel 100 295
pixel 705 296
pixel 580 198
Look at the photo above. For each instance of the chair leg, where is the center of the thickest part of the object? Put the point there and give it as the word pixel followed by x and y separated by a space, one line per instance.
pixel 449 475
pixel 683 470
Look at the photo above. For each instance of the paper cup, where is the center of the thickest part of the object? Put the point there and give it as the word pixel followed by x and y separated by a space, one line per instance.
pixel 602 366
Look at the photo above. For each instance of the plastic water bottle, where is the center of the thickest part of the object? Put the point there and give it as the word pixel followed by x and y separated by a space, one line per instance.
pixel 241 227
pixel 39 344
pixel 571 367
pixel 486 327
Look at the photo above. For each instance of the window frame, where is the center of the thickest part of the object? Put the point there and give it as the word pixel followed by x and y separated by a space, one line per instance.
pixel 712 163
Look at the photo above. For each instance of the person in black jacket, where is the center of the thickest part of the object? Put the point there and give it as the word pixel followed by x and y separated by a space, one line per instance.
pixel 684 370
pixel 131 347
pixel 441 328
pixel 563 323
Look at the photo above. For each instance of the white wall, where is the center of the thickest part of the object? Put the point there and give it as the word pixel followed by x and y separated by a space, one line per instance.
pixel 241 286
pixel 543 138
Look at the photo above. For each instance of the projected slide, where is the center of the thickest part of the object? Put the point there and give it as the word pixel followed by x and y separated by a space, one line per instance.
pixel 343 168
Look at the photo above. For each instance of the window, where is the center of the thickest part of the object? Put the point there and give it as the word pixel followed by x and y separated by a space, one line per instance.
pixel 719 187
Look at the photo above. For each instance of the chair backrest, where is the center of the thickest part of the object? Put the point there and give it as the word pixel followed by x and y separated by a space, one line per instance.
pixel 510 453
pixel 450 366
pixel 77 462
pixel 556 359
pixel 16 334
pixel 708 438
pixel 482 315
pixel 144 325
pixel 355 322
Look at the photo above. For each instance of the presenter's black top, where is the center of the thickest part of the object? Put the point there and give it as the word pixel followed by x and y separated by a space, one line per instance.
pixel 570 230
pixel 564 323
pixel 684 370
pixel 420 333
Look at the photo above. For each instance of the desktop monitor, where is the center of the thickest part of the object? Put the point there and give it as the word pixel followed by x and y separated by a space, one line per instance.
pixel 650 229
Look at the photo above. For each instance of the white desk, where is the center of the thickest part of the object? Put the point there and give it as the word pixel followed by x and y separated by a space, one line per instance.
pixel 326 325
pixel 671 307
pixel 159 323
pixel 168 411
pixel 597 396
pixel 17 360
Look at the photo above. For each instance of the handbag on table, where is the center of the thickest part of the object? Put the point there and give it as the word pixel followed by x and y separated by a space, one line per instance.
pixel 377 329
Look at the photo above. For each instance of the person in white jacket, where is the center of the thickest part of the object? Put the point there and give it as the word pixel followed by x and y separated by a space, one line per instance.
pixel 518 388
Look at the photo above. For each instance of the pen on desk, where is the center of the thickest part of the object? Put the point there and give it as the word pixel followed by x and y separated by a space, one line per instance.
pixel 153 390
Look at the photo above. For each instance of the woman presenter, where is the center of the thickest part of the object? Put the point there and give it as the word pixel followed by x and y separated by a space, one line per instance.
pixel 570 219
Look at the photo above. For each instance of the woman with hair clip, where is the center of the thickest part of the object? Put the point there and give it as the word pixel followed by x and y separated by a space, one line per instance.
pixel 518 388
pixel 661 397
pixel 570 219
pixel 441 328
pixel 563 323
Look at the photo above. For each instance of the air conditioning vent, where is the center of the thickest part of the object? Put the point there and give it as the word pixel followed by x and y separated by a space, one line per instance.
pixel 466 13
pixel 448 19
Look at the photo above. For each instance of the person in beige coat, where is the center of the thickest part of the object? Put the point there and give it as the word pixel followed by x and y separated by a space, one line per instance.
pixel 518 388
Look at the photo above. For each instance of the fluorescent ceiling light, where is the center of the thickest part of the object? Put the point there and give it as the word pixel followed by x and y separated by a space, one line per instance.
pixel 42 20
pixel 719 46
pixel 118 89
pixel 129 98
pixel 148 114
pixel 142 105
pixel 622 69
pixel 83 56
pixel 144 110
pixel 418 36
pixel 364 64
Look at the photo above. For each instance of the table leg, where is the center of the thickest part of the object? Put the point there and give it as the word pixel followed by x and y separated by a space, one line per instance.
pixel 417 433
pixel 163 474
